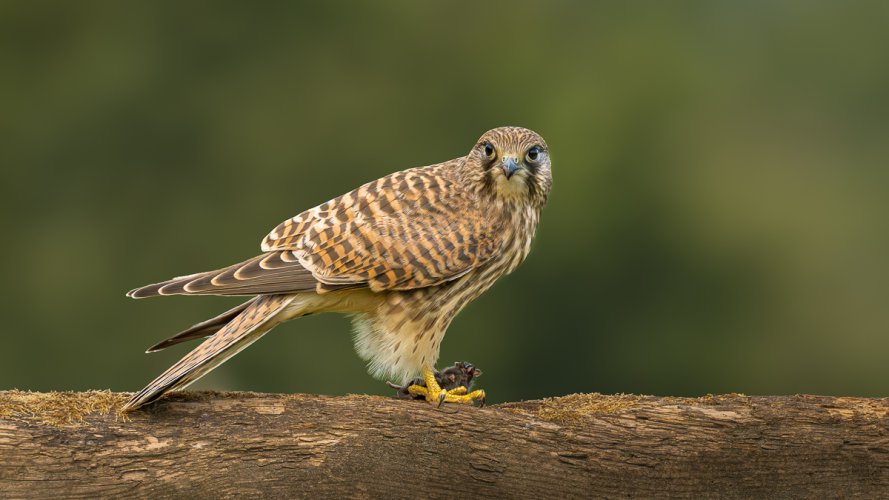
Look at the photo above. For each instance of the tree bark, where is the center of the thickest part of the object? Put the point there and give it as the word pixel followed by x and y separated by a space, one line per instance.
pixel 203 445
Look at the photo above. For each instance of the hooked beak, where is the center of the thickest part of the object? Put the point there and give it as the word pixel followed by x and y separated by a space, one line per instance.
pixel 509 167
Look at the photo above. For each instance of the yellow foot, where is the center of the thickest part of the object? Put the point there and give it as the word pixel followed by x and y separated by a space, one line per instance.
pixel 434 394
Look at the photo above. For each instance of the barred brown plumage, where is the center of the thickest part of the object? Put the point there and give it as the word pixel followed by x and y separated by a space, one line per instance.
pixel 402 255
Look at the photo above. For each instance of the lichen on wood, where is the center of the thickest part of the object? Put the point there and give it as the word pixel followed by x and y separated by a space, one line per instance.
pixel 58 408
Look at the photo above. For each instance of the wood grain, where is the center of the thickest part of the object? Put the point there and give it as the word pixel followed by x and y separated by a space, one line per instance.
pixel 587 445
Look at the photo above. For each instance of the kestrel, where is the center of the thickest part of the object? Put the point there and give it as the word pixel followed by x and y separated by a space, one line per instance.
pixel 401 255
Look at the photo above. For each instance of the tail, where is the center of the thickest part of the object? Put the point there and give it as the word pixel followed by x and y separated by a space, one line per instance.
pixel 244 329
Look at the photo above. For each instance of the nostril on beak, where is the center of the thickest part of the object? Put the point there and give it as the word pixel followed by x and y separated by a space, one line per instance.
pixel 509 167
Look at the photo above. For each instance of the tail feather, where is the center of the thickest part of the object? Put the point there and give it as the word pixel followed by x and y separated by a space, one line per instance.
pixel 244 329
pixel 202 329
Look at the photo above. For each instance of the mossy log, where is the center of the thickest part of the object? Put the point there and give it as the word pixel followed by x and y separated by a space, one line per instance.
pixel 199 445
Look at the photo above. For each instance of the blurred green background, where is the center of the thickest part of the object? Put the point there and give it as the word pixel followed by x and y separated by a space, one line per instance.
pixel 719 220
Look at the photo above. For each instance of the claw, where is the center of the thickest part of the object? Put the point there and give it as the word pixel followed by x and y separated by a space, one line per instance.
pixel 400 391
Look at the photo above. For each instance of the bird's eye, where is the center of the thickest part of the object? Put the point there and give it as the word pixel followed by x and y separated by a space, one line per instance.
pixel 489 150
pixel 534 153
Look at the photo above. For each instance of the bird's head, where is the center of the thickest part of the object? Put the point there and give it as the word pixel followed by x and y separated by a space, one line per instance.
pixel 515 162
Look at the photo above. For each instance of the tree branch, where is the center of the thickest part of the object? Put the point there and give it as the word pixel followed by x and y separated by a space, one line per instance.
pixel 587 445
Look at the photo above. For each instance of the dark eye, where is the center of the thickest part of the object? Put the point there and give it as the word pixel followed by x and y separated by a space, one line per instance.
pixel 534 153
pixel 489 150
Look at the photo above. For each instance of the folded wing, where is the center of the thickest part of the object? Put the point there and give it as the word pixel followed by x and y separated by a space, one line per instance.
pixel 412 229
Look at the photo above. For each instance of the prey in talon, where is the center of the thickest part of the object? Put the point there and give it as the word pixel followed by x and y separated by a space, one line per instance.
pixel 455 381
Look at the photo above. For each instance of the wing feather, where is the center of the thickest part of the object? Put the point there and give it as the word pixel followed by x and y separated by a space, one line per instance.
pixel 266 273
pixel 411 229
pixel 202 329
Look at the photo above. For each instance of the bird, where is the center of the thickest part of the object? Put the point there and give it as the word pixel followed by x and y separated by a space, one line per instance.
pixel 401 255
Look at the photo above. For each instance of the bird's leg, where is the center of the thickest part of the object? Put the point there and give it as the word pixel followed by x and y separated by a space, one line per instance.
pixel 434 394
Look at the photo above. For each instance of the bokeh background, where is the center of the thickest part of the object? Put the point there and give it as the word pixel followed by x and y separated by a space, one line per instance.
pixel 719 220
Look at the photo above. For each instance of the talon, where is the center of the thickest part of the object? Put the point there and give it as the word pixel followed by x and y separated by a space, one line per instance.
pixel 459 391
pixel 449 390
pixel 418 391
